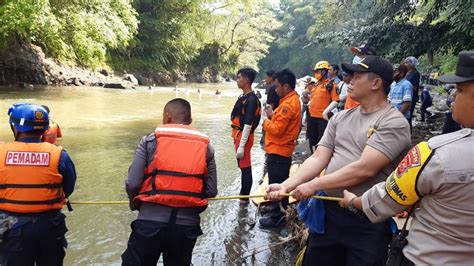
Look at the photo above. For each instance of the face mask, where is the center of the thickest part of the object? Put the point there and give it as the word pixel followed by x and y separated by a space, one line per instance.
pixel 356 60
pixel 318 76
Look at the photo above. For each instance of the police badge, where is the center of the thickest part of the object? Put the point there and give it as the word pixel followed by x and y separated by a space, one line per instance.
pixel 371 130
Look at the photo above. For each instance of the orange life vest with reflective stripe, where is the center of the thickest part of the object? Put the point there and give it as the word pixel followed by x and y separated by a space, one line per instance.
pixel 29 177
pixel 178 171
pixel 238 114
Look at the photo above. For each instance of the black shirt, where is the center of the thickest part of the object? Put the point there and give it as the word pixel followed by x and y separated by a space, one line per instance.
pixel 272 97
pixel 414 78
pixel 246 108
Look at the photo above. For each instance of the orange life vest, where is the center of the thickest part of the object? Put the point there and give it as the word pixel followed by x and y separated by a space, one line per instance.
pixel 29 177
pixel 238 114
pixel 178 171
pixel 52 134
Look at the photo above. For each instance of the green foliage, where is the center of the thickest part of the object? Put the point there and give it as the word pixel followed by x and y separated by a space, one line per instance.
pixel 412 27
pixel 238 36
pixel 295 46
pixel 325 29
pixel 445 62
pixel 199 37
pixel 164 34
pixel 81 31
pixel 31 21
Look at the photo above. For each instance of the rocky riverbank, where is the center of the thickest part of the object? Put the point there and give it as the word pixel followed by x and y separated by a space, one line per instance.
pixel 27 65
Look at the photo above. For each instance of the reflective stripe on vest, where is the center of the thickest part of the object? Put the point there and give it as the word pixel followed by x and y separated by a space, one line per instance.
pixel 177 173
pixel 29 179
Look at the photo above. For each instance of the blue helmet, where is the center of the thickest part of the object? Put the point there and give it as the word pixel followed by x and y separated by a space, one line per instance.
pixel 27 117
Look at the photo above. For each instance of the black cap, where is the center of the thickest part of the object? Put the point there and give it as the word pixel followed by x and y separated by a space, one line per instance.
pixel 464 69
pixel 373 64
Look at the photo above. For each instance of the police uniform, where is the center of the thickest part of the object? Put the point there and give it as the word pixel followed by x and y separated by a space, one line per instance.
pixel 439 174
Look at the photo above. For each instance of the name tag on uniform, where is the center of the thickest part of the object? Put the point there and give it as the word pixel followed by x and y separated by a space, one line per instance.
pixel 27 158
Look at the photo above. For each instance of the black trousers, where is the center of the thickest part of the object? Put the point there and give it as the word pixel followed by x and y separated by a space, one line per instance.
pixel 149 239
pixel 423 111
pixel 315 130
pixel 349 239
pixel 278 171
pixel 36 240
pixel 246 181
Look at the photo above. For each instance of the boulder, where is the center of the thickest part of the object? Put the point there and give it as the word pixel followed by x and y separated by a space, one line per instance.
pixel 131 78
pixel 104 72
pixel 114 86
pixel 76 82
pixel 144 81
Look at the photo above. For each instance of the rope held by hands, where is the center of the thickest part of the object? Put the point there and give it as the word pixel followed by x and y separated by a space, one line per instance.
pixel 213 199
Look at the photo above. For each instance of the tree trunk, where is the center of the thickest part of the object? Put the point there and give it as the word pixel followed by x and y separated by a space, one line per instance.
pixel 430 57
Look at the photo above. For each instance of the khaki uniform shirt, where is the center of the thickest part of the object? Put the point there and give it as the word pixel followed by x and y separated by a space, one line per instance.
pixel 350 131
pixel 442 230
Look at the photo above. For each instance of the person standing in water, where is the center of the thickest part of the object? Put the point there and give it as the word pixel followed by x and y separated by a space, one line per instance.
pixel 245 118
pixel 53 132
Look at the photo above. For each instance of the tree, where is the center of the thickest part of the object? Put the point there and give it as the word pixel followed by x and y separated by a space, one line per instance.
pixel 78 31
pixel 408 27
pixel 239 34
pixel 295 47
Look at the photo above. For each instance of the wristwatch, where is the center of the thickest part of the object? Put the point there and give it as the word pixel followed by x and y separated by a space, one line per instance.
pixel 351 206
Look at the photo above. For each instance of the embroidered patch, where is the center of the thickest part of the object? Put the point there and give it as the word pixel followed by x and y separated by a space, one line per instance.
pixel 39 115
pixel 27 158
pixel 401 184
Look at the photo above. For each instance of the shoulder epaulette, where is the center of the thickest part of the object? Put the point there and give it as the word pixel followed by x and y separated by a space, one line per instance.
pixel 445 139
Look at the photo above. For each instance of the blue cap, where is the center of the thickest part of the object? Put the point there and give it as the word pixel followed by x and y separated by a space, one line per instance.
pixel 27 117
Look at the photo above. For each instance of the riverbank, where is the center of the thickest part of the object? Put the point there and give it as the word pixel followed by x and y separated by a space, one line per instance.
pixel 27 65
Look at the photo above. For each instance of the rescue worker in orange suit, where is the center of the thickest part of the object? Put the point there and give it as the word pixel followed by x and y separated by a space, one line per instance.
pixel 324 99
pixel 282 128
pixel 172 174
pixel 35 179
pixel 350 102
pixel 245 117
pixel 52 134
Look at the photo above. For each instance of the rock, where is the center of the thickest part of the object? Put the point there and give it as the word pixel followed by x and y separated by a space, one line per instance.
pixel 98 83
pixel 144 81
pixel 22 63
pixel 114 86
pixel 104 72
pixel 26 85
pixel 76 82
pixel 131 78
pixel 162 78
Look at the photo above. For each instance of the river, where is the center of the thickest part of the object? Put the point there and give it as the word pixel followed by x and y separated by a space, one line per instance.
pixel 101 129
